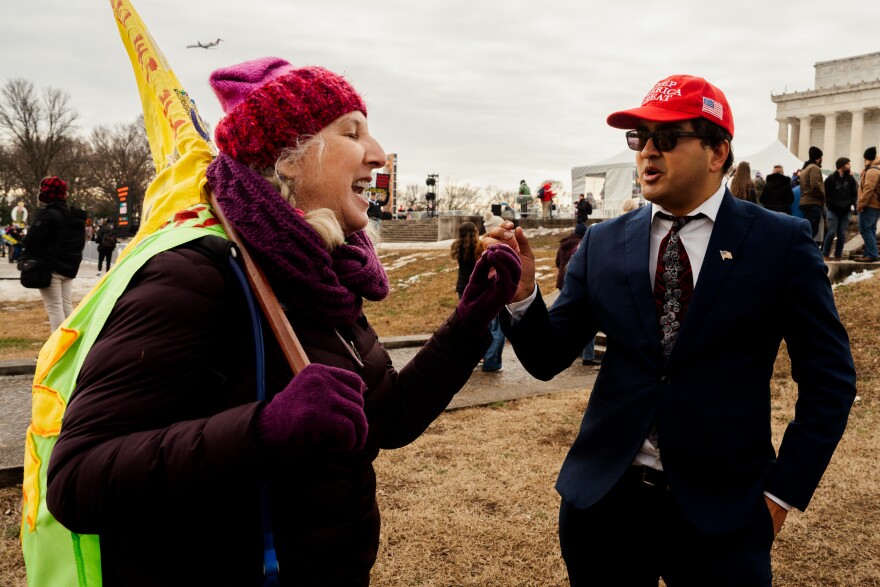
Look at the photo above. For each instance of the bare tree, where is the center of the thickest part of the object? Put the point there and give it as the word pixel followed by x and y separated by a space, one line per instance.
pixel 120 157
pixel 459 196
pixel 497 195
pixel 37 130
pixel 414 196
pixel 73 165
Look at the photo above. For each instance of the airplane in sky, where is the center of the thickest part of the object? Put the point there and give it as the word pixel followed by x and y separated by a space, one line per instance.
pixel 208 45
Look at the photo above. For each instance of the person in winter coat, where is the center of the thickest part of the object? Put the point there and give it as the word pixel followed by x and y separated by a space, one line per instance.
pixel 466 250
pixel 164 448
pixel 777 194
pixel 106 239
pixel 796 194
pixel 812 203
pixel 868 205
pixel 545 196
pixel 16 233
pixel 375 209
pixel 56 237
pixel 841 194
pixel 760 182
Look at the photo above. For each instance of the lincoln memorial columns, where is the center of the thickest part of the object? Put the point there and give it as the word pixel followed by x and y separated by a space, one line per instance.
pixel 783 131
pixel 804 143
pixel 830 135
pixel 856 150
pixel 841 115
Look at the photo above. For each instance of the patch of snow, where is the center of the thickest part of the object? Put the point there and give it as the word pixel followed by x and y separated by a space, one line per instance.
pixel 405 283
pixel 855 278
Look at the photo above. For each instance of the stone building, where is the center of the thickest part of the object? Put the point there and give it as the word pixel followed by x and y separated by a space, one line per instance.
pixel 841 116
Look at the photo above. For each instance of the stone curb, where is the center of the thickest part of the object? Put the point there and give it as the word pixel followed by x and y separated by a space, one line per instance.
pixel 18 367
pixel 28 366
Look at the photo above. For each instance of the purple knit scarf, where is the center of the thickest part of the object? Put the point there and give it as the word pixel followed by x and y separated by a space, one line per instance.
pixel 329 285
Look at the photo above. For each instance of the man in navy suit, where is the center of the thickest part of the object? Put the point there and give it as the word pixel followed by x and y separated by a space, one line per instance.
pixel 673 471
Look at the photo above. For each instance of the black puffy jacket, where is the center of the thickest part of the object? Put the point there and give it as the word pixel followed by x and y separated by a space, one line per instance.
pixel 58 236
pixel 777 194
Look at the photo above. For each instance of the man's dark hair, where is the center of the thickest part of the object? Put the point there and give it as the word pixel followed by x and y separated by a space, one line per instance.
pixel 713 135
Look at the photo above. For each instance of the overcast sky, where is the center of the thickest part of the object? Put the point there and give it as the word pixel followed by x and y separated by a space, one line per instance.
pixel 480 91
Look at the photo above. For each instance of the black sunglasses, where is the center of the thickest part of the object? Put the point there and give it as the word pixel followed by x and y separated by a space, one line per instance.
pixel 665 139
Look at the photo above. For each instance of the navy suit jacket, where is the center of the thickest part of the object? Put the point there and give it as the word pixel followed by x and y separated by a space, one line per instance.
pixel 710 400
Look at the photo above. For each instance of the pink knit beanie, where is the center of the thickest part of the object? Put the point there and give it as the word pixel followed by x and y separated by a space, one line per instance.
pixel 52 189
pixel 269 105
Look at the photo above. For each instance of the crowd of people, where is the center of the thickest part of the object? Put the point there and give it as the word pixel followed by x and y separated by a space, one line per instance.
pixel 828 203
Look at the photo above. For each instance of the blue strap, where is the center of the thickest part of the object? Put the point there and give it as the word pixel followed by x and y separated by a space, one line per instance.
pixel 270 559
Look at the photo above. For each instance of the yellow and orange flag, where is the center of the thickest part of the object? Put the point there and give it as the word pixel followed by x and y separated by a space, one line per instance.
pixel 182 151
pixel 179 141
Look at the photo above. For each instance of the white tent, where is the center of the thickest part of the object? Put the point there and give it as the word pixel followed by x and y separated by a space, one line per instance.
pixel 774 154
pixel 610 181
pixel 613 180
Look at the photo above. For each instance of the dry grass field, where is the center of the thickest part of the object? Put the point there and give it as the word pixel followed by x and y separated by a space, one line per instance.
pixel 471 503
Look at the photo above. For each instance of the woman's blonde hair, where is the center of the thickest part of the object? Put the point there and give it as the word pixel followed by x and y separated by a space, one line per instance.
pixel 323 220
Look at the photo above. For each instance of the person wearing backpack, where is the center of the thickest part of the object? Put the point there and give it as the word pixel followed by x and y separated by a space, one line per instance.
pixel 55 242
pixel 106 239
pixel 841 194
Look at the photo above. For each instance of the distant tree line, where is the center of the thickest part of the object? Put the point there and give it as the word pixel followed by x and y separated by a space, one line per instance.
pixel 39 137
pixel 455 195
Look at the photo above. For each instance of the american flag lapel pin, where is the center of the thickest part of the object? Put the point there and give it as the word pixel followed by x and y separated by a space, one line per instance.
pixel 726 256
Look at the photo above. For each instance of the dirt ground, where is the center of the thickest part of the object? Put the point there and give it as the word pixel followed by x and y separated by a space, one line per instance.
pixel 471 503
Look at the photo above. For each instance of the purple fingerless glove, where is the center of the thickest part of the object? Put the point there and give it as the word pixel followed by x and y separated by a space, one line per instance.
pixel 322 408
pixel 485 296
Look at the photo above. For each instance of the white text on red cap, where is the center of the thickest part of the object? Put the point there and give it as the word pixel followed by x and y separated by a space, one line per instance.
pixel 662 92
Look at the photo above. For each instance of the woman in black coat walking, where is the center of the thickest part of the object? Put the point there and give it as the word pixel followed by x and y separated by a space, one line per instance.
pixel 56 239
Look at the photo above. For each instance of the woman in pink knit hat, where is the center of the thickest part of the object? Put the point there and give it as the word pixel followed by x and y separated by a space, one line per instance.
pixel 164 447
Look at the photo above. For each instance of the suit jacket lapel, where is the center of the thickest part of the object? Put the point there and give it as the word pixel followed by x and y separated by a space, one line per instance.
pixel 730 230
pixel 638 246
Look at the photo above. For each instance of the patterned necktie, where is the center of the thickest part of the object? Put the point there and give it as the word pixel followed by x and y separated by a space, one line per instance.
pixel 674 282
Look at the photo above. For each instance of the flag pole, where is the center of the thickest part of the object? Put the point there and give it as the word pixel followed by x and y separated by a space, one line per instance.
pixel 278 322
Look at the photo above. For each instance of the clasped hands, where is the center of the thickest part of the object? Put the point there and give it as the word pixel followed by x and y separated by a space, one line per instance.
pixel 493 283
pixel 515 238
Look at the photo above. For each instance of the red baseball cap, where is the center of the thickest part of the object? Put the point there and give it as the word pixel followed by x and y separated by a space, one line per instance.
pixel 678 97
